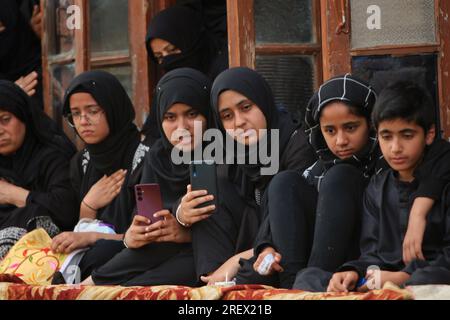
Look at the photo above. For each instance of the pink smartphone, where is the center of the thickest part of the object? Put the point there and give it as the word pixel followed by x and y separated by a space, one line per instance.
pixel 148 200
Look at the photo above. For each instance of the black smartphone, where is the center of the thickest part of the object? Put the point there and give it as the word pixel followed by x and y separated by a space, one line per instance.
pixel 204 177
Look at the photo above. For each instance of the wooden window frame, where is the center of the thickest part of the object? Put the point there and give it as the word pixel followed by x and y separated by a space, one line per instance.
pixel 337 52
pixel 138 13
pixel 242 43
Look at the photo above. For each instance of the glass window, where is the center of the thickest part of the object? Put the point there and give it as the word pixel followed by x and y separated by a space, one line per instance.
pixel 291 78
pixel 283 21
pixel 401 22
pixel 108 26
pixel 60 38
pixel 61 75
pixel 383 70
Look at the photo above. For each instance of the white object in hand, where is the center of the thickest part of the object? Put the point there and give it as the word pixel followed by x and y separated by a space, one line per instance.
pixel 265 265
pixel 225 283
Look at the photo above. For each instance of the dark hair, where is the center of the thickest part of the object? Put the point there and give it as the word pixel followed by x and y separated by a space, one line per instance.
pixel 404 100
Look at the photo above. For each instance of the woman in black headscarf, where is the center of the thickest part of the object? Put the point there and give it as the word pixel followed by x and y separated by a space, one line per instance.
pixel 34 170
pixel 99 109
pixel 177 37
pixel 161 253
pixel 242 100
pixel 20 48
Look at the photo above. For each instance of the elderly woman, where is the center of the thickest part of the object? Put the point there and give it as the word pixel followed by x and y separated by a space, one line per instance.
pixel 35 157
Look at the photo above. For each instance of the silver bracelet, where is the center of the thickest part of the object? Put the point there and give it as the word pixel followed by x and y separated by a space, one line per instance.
pixel 186 225
pixel 125 243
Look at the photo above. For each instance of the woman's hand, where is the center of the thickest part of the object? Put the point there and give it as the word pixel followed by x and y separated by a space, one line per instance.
pixel 171 231
pixel 36 21
pixel 226 272
pixel 28 83
pixel 188 213
pixel 142 231
pixel 275 266
pixel 105 190
pixel 12 194
pixel 67 242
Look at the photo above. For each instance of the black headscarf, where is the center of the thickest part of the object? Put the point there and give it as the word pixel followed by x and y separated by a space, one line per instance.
pixel 20 49
pixel 252 85
pixel 354 92
pixel 117 150
pixel 183 85
pixel 42 137
pixel 184 28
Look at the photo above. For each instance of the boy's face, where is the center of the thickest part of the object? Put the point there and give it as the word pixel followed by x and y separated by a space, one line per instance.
pixel 403 144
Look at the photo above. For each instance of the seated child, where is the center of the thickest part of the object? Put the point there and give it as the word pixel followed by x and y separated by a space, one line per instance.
pixel 406 131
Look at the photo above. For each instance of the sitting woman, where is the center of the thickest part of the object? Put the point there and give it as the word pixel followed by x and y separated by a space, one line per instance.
pixel 35 156
pixel 161 252
pixel 99 109
pixel 245 111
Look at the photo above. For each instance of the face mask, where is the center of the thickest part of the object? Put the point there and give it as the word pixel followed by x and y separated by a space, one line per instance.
pixel 178 60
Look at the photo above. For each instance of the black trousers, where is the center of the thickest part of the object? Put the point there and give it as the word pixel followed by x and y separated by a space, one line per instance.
pixel 153 264
pixel 99 254
pixel 315 229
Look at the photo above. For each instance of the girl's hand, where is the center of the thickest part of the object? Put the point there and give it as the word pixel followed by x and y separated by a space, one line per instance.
pixel 67 242
pixel 188 213
pixel 105 190
pixel 275 266
pixel 171 231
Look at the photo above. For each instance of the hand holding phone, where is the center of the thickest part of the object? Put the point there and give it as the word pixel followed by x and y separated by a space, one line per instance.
pixel 148 201
pixel 204 177
pixel 201 199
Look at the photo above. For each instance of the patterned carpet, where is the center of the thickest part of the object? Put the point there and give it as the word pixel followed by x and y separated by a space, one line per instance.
pixel 12 288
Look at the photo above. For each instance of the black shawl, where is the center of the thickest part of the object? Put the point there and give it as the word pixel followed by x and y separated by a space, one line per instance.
pixel 117 151
pixel 356 93
pixel 183 85
pixel 252 85
pixel 234 226
pixel 184 28
pixel 41 165
pixel 42 137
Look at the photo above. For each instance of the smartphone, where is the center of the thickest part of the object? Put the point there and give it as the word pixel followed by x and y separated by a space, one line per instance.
pixel 148 201
pixel 204 177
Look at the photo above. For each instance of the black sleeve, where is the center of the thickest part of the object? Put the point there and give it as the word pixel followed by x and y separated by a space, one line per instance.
pixel 76 176
pixel 442 260
pixel 434 172
pixel 298 155
pixel 369 235
pixel 264 238
pixel 57 195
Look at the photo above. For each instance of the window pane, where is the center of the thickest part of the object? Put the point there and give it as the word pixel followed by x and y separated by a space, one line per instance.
pixel 61 77
pixel 401 22
pixel 283 21
pixel 383 70
pixel 108 26
pixel 123 73
pixel 291 78
pixel 60 38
